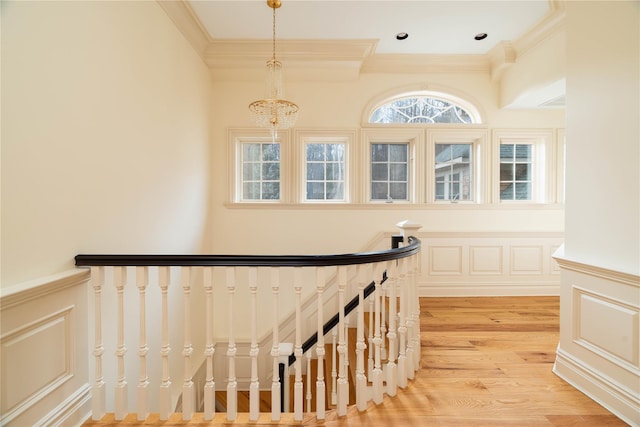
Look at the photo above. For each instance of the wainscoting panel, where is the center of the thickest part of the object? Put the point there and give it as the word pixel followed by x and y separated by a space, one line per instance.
pixel 43 340
pixel 600 336
pixel 489 264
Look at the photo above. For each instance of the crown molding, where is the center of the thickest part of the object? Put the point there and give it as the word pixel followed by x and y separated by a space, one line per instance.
pixel 391 63
pixel 552 22
pixel 185 19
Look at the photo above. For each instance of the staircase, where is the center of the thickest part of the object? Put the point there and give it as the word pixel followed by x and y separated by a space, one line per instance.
pixel 390 320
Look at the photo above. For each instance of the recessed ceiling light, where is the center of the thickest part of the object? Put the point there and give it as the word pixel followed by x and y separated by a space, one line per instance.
pixel 402 36
pixel 480 36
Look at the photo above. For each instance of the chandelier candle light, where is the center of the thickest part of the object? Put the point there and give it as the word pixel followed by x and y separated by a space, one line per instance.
pixel 273 112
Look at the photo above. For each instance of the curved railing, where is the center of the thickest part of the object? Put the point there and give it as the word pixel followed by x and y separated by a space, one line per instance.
pixel 393 328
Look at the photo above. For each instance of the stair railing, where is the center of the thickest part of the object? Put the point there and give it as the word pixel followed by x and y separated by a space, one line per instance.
pixel 198 270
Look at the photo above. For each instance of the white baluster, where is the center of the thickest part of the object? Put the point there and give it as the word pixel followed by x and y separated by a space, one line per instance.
pixel 188 392
pixel 392 368
pixel 97 391
pixel 343 383
pixel 334 370
pixel 210 385
pixel 320 385
pixel 142 280
pixel 120 279
pixel 275 349
pixel 309 394
pixel 402 328
pixel 361 378
pixel 371 330
pixel 254 387
pixel 164 276
pixel 383 321
pixel 232 384
pixel 377 339
pixel 298 386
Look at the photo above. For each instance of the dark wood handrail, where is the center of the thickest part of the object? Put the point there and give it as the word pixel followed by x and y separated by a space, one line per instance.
pixel 250 260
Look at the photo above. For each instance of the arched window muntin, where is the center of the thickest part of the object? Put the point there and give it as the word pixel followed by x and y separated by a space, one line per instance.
pixel 424 107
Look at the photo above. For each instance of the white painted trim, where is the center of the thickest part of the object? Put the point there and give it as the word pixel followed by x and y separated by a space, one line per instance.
pixel 73 411
pixel 603 389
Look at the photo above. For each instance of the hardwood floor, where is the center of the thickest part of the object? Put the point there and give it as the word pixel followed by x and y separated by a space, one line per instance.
pixel 485 362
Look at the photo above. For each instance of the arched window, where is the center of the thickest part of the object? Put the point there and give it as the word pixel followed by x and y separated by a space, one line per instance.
pixel 425 107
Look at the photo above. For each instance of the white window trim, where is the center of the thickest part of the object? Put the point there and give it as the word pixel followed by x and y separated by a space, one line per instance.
pixel 317 136
pixel 239 136
pixel 544 173
pixel 415 139
pixel 479 140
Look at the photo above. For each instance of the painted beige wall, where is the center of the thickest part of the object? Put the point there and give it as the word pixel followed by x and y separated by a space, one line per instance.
pixel 603 153
pixel 105 135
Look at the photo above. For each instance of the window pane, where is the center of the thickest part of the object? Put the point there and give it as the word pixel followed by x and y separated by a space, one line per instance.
pixel 523 152
pixel 379 190
pixel 398 152
pixel 335 172
pixel 398 172
pixel 250 152
pixel 251 171
pixel 506 152
pixel 251 190
pixel 315 152
pixel 315 171
pixel 380 172
pixel 315 190
pixel 523 172
pixel 271 171
pixel 398 191
pixel 379 152
pixel 420 109
pixel 271 152
pixel 335 152
pixel 506 193
pixel 440 190
pixel 523 191
pixel 506 172
pixel 335 190
pixel 453 171
pixel 270 190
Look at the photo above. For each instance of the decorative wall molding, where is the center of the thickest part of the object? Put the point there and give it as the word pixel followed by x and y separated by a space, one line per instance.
pixel 599 350
pixel 43 338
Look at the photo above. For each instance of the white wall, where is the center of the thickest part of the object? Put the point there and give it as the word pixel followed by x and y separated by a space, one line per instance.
pixel 599 349
pixel 105 134
pixel 105 149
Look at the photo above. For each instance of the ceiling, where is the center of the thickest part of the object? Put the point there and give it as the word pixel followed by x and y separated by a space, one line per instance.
pixel 433 27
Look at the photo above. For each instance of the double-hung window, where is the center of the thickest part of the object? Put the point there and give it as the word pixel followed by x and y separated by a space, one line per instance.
pixel 389 171
pixel 325 172
pixel 260 171
pixel 453 172
pixel 516 171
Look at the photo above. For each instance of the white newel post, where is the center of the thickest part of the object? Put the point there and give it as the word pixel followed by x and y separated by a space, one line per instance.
pixel 210 386
pixel 254 387
pixel 232 383
pixel 275 349
pixel 97 392
pixel 343 382
pixel 165 386
pixel 188 392
pixel 120 279
pixel 320 385
pixel 298 386
pixel 408 229
pixel 142 281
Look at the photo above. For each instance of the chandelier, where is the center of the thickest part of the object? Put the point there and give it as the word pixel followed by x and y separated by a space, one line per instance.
pixel 273 112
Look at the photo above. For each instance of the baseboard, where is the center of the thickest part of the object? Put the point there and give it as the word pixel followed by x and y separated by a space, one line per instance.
pixel 478 289
pixel 73 411
pixel 622 402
